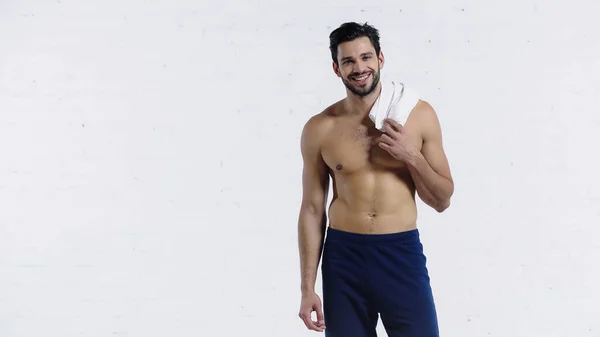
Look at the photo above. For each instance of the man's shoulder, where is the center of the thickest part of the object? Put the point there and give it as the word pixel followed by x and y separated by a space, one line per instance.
pixel 426 117
pixel 322 122
pixel 423 109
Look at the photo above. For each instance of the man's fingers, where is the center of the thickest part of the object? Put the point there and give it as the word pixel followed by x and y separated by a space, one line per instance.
pixel 320 317
pixel 385 139
pixel 384 146
pixel 305 316
pixel 312 325
pixel 389 131
pixel 306 321
pixel 393 123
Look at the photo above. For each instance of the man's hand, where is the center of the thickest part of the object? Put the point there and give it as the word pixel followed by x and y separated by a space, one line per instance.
pixel 396 141
pixel 311 302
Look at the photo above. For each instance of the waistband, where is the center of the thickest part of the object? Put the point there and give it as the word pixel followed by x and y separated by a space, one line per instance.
pixel 406 236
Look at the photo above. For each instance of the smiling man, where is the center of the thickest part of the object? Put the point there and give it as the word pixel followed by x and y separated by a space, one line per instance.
pixel 373 261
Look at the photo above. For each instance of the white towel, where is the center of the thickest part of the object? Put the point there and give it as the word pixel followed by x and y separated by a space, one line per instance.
pixel 395 101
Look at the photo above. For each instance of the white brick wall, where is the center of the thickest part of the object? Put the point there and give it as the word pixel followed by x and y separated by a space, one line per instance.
pixel 150 166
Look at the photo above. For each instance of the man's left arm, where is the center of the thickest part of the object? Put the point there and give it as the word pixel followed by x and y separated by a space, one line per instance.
pixel 429 168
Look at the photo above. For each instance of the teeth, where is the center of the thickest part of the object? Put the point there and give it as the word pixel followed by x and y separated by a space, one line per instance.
pixel 361 78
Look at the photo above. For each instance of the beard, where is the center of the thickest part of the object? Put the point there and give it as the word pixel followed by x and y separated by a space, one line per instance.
pixel 362 91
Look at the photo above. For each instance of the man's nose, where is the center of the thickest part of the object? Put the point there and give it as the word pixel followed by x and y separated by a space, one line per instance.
pixel 360 67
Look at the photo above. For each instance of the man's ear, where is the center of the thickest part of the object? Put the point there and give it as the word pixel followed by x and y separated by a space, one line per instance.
pixel 381 59
pixel 336 69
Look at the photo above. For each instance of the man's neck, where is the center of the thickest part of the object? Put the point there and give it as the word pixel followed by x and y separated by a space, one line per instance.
pixel 357 105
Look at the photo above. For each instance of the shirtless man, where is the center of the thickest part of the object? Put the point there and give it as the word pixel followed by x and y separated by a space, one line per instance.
pixel 373 261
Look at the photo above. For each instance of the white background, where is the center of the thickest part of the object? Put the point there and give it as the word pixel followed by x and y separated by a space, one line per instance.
pixel 150 166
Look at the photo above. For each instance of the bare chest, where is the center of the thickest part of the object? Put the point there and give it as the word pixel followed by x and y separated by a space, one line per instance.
pixel 352 148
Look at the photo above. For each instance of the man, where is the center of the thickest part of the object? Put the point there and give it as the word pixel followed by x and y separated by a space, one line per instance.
pixel 373 261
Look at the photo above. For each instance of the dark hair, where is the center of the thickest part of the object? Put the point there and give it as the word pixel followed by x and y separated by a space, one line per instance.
pixel 350 31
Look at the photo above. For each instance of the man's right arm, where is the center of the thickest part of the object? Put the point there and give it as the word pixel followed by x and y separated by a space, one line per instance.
pixel 312 219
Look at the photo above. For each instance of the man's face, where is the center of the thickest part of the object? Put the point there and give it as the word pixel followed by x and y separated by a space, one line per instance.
pixel 359 66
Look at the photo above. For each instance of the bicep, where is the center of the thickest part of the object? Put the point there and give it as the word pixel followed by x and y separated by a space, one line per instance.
pixel 433 148
pixel 315 176
pixel 315 185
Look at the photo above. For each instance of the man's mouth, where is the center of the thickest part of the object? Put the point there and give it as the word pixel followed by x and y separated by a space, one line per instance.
pixel 362 79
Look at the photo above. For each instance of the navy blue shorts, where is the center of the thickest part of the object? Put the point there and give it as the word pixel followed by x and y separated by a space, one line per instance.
pixel 370 275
